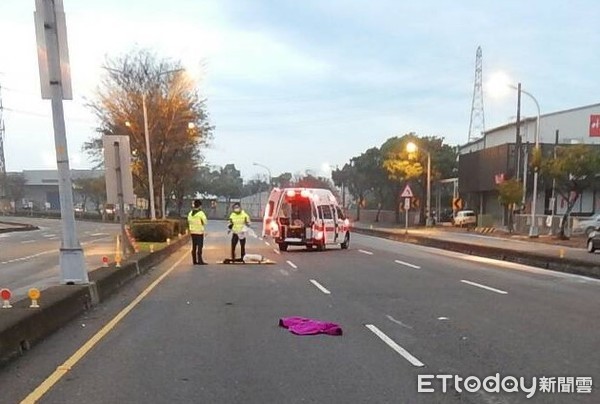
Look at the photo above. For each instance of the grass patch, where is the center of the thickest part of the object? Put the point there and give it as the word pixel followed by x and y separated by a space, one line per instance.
pixel 145 246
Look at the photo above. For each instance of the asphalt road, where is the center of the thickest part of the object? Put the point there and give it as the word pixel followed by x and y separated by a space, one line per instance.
pixel 30 258
pixel 209 334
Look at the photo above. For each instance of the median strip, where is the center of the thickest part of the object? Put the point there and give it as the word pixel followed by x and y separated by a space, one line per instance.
pixel 479 285
pixel 390 342
pixel 320 287
pixel 407 264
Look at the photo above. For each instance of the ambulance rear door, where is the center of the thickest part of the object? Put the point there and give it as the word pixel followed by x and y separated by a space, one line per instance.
pixel 270 226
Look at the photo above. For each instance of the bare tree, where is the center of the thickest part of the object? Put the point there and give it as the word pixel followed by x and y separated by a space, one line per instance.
pixel 178 123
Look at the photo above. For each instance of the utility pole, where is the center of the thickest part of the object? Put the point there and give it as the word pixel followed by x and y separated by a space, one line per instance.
pixel 55 80
pixel 2 161
pixel 518 140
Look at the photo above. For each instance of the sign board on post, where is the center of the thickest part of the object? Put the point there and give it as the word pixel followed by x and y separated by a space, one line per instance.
pixel 407 192
pixel 41 17
pixel 406 203
pixel 110 167
pixel 457 204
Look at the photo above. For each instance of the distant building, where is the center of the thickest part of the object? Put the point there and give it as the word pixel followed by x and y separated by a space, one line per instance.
pixel 41 188
pixel 486 162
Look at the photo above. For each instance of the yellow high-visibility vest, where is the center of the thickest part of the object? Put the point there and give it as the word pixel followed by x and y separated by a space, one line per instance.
pixel 197 221
pixel 239 220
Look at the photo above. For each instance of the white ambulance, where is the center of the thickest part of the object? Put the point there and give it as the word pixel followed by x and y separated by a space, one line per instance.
pixel 308 217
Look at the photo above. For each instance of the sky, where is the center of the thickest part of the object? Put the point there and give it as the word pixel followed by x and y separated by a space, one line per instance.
pixel 307 85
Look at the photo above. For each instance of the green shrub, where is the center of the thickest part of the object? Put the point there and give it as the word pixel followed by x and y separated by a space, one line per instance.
pixel 154 231
pixel 174 227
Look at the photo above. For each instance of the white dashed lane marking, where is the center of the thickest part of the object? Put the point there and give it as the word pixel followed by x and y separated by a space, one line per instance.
pixel 320 287
pixel 407 264
pixel 479 285
pixel 390 342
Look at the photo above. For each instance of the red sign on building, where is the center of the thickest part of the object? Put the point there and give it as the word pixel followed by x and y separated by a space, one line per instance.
pixel 595 125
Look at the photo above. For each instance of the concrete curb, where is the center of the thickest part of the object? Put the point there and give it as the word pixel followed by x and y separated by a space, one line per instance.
pixel 21 327
pixel 568 265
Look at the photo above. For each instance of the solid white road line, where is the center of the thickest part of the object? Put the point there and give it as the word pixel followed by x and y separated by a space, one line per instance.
pixel 320 287
pixel 407 264
pixel 276 251
pixel 403 352
pixel 365 252
pixel 479 285
pixel 63 369
pixel 290 263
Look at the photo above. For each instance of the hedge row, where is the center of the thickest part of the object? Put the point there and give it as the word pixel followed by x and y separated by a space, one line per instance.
pixel 157 230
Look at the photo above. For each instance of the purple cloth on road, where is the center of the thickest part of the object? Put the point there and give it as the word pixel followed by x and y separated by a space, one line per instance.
pixel 308 326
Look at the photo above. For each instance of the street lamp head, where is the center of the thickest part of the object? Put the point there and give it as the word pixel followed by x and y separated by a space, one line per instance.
pixel 499 85
pixel 411 147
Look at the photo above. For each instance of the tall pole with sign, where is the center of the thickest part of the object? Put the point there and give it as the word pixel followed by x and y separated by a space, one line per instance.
pixel 55 80
pixel 119 180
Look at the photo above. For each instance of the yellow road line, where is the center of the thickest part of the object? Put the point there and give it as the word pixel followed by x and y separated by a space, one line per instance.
pixel 63 369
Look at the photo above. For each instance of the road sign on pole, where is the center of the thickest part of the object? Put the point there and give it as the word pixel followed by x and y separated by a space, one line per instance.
pixel 53 58
pixel 407 192
pixel 47 11
pixel 112 167
pixel 457 203
pixel 406 203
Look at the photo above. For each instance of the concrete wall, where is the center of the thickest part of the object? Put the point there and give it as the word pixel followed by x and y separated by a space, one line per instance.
pixel 386 216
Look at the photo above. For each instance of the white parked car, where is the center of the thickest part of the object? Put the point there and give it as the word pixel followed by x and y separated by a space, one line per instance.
pixel 586 225
pixel 465 218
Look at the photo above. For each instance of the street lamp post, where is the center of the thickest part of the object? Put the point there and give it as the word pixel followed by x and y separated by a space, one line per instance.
pixel 147 138
pixel 270 185
pixel 533 229
pixel 411 148
pixel 497 84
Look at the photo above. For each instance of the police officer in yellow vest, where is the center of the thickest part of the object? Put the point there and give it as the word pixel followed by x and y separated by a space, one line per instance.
pixel 197 221
pixel 238 221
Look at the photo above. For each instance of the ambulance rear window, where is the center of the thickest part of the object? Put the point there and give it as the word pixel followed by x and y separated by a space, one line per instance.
pixel 325 212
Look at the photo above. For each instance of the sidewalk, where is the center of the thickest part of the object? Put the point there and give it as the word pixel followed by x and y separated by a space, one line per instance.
pixel 553 251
